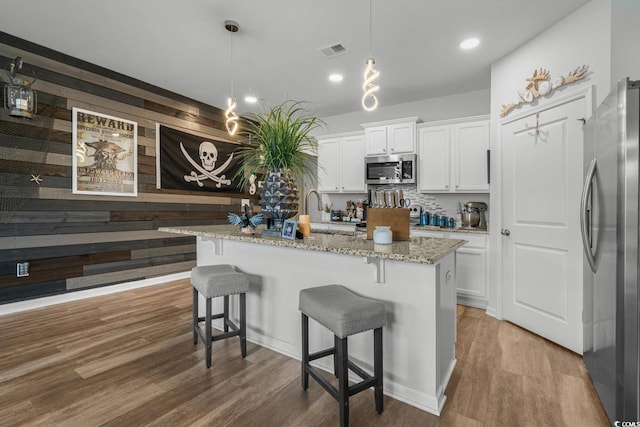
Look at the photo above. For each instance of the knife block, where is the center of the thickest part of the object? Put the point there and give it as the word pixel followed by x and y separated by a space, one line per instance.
pixel 396 218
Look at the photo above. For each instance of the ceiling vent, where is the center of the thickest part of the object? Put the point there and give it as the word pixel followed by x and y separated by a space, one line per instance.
pixel 333 50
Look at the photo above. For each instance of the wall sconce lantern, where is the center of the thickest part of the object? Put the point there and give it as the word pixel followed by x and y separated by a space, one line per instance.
pixel 19 98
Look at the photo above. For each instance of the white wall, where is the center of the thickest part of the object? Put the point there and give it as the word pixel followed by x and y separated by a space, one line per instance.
pixel 428 110
pixel 584 37
pixel 625 35
pixel 581 38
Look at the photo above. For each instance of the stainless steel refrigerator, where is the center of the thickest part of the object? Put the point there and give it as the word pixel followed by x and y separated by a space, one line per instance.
pixel 610 229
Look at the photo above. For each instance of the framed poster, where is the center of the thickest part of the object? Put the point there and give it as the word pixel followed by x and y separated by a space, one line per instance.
pixel 105 158
pixel 196 162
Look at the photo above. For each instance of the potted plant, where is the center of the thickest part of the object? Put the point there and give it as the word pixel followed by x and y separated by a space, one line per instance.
pixel 281 148
pixel 326 214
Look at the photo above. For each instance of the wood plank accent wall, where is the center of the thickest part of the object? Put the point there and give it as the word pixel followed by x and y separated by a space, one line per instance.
pixel 80 241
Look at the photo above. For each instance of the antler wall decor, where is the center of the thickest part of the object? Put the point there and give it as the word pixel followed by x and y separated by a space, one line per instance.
pixel 541 84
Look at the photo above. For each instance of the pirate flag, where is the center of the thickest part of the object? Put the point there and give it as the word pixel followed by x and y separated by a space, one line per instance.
pixel 195 163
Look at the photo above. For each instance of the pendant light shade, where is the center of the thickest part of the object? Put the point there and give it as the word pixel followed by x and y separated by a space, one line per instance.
pixel 369 87
pixel 369 99
pixel 231 122
pixel 231 117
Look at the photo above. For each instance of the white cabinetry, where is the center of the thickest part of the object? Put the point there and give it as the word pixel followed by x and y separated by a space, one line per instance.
pixel 472 271
pixel 341 163
pixel 433 158
pixel 453 156
pixel 390 137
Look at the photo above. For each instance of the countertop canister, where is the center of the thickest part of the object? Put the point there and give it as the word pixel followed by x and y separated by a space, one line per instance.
pixel 382 235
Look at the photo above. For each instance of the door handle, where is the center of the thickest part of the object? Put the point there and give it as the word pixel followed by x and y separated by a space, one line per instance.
pixel 584 226
pixel 505 232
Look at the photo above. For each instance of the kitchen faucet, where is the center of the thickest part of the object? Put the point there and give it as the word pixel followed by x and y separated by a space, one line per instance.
pixel 306 201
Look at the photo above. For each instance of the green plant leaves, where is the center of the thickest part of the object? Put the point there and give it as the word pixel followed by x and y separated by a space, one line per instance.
pixel 281 139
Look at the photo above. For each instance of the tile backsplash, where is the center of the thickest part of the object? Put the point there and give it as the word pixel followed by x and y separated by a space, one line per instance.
pixel 439 203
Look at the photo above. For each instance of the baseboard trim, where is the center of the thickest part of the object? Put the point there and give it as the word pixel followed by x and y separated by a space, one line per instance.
pixel 472 301
pixel 31 304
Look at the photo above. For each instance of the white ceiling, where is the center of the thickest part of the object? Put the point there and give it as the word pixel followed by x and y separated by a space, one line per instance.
pixel 182 45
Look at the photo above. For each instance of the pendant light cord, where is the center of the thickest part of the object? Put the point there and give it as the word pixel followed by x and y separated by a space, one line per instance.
pixel 370 27
pixel 231 62
pixel 369 88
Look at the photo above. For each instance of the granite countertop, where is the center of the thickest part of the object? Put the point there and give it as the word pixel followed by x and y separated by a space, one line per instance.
pixel 423 250
pixel 449 230
pixel 414 227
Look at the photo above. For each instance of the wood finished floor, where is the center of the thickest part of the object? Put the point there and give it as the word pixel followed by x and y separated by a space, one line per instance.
pixel 127 359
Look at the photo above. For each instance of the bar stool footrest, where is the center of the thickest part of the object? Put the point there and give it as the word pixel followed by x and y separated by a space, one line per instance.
pixel 233 333
pixel 322 353
pixel 368 380
pixel 315 374
pixel 213 316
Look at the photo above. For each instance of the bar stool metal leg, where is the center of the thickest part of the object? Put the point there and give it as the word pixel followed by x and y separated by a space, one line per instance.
pixel 377 368
pixel 194 323
pixel 207 333
pixel 225 322
pixel 336 343
pixel 343 381
pixel 305 351
pixel 243 324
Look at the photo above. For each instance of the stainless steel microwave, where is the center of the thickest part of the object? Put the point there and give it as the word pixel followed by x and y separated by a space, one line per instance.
pixel 394 169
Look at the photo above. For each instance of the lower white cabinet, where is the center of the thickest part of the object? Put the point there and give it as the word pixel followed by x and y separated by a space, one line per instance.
pixel 341 163
pixel 472 272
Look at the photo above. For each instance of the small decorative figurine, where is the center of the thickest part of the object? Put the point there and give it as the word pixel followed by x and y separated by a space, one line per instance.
pixel 246 222
pixel 360 210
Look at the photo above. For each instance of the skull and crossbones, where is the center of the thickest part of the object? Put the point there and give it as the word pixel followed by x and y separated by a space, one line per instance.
pixel 208 154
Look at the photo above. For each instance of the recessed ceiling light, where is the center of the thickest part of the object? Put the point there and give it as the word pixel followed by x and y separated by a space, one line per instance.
pixel 336 78
pixel 469 43
pixel 250 99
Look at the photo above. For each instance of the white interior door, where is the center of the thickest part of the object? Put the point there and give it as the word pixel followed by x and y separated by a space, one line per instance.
pixel 542 258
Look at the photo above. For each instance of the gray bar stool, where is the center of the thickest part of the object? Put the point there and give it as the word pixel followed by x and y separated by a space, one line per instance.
pixel 214 281
pixel 343 313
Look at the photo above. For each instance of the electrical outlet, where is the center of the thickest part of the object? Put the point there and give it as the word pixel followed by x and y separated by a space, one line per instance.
pixel 244 202
pixel 22 269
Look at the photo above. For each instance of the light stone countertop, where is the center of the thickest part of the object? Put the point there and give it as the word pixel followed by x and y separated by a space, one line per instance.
pixel 423 250
pixel 449 230
pixel 415 227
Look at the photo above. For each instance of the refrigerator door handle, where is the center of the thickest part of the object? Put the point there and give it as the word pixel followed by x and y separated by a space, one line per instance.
pixel 585 226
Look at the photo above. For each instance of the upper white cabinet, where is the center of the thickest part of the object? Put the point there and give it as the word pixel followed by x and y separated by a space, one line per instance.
pixel 341 163
pixel 433 158
pixel 453 157
pixel 470 150
pixel 390 137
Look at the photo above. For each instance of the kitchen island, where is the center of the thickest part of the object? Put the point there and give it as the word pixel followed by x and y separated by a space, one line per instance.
pixel 415 279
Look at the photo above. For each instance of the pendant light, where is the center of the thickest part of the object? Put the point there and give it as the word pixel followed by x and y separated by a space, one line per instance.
pixel 231 122
pixel 369 99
